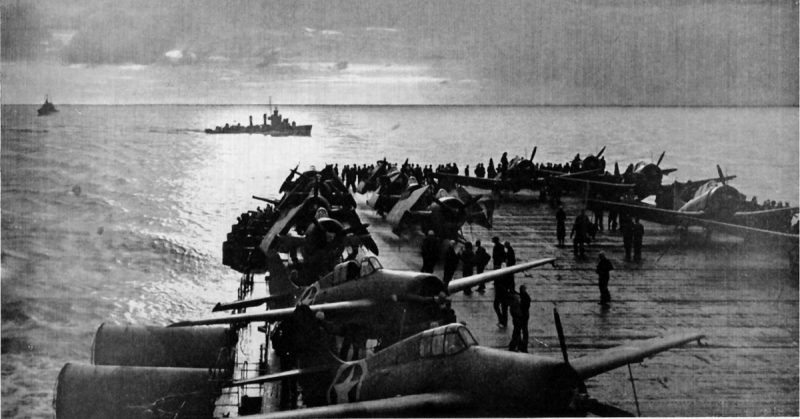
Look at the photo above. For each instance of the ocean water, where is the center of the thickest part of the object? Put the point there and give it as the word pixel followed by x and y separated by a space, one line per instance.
pixel 118 213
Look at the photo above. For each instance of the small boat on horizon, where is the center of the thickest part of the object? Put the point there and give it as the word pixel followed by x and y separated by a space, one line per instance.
pixel 47 108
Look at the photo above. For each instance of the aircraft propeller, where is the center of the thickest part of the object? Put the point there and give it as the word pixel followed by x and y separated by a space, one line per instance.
pixel 533 153
pixel 585 403
pixel 658 163
pixel 721 175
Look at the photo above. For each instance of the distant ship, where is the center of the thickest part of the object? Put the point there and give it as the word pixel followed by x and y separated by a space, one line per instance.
pixel 47 108
pixel 278 127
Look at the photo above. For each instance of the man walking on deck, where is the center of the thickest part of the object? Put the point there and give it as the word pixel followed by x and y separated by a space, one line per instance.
pixel 604 268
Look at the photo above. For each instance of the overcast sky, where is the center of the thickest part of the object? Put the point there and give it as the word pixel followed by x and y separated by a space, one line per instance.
pixel 603 52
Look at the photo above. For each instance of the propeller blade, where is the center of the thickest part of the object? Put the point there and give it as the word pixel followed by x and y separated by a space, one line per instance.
pixel 561 340
pixel 533 154
pixel 601 152
pixel 721 176
pixel 616 169
pixel 605 410
pixel 658 163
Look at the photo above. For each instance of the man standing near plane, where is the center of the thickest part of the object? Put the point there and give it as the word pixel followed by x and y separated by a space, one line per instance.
pixel 482 259
pixel 450 262
pixel 430 252
pixel 467 257
pixel 500 291
pixel 638 235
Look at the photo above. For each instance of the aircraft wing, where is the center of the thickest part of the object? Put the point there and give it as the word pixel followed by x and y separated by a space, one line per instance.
pixel 770 219
pixel 473 280
pixel 416 405
pixel 591 365
pixel 743 230
pixel 278 376
pixel 482 183
pixel 617 188
pixel 664 216
pixel 250 303
pixel 400 208
pixel 278 227
pixel 278 314
pixel 649 212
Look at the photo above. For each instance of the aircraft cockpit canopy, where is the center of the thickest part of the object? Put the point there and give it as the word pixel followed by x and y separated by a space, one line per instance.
pixel 445 341
pixel 369 265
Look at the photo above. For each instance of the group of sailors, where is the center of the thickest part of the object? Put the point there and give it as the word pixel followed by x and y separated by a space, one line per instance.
pixel 473 259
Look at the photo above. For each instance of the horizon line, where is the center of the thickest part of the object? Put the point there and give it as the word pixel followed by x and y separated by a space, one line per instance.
pixel 465 105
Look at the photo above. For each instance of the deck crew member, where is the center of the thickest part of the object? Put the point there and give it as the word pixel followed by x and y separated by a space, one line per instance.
pixel 482 259
pixel 430 252
pixel 520 313
pixel 500 292
pixel 450 263
pixel 626 227
pixel 604 268
pixel 467 257
pixel 580 234
pixel 638 235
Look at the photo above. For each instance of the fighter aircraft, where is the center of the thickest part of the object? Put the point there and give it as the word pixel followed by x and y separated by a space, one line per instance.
pixel 641 180
pixel 371 182
pixel 364 298
pixel 712 204
pixel 442 213
pixel 303 198
pixel 444 372
pixel 520 174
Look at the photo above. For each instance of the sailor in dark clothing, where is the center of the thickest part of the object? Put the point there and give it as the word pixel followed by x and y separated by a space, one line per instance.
pixel 450 263
pixel 604 267
pixel 503 162
pixel 524 309
pixel 430 252
pixel 580 233
pixel 500 291
pixel 626 227
pixel 612 220
pixel 520 313
pixel 467 257
pixel 482 258
pixel 507 281
pixel 480 171
pixel 498 253
pixel 516 334
pixel 638 235
pixel 466 170
pixel 491 172
pixel 598 218
pixel 561 229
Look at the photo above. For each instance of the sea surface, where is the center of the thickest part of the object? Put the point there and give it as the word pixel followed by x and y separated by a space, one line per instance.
pixel 118 213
